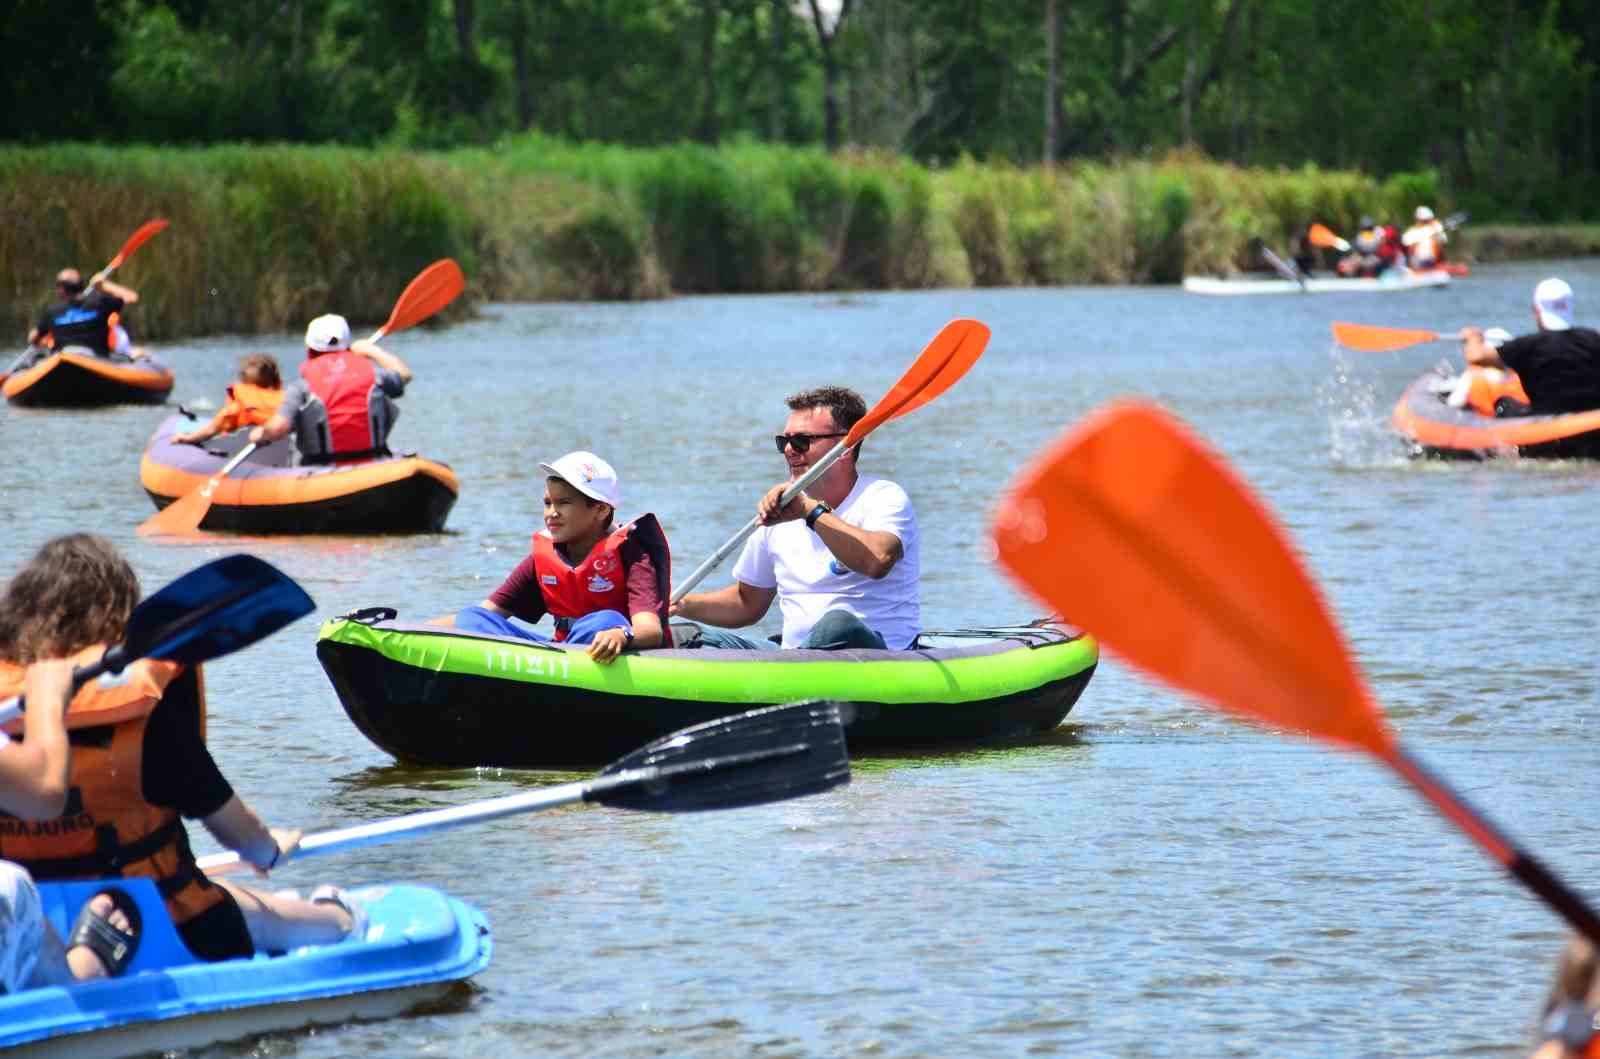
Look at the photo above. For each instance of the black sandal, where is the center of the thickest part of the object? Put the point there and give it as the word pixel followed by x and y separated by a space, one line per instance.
pixel 115 948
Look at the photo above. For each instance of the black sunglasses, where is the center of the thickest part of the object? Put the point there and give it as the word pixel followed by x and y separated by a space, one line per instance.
pixel 802 442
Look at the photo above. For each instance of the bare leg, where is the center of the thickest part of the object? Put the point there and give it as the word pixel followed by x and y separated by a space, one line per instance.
pixel 279 922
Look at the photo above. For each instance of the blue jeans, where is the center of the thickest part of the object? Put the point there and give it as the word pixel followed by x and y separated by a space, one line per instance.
pixel 837 630
pixel 482 619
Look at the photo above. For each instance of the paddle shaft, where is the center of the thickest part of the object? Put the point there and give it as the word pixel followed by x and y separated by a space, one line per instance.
pixel 795 489
pixel 144 234
pixel 1285 269
pixel 1526 868
pixel 363 835
pixel 227 468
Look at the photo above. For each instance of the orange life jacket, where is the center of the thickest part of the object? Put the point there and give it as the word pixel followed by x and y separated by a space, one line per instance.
pixel 344 382
pixel 1488 385
pixel 600 581
pixel 248 405
pixel 108 830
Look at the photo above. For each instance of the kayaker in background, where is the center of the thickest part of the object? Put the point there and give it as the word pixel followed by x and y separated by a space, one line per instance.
pixel 342 408
pixel 134 775
pixel 33 786
pixel 1374 250
pixel 604 586
pixel 1559 365
pixel 1424 240
pixel 252 400
pixel 1567 1023
pixel 1306 255
pixel 842 559
pixel 80 317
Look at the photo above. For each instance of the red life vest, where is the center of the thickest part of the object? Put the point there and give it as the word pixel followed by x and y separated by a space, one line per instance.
pixel 108 830
pixel 600 581
pixel 343 382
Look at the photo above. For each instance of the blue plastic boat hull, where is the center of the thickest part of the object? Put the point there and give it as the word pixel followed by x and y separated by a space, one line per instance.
pixel 419 943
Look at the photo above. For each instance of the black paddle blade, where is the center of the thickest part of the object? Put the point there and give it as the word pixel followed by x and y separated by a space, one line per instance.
pixel 752 758
pixel 211 611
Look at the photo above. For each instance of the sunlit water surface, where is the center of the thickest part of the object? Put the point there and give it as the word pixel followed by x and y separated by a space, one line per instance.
pixel 1149 880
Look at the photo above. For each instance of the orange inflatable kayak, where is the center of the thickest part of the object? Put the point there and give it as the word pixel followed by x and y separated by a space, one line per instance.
pixel 264 494
pixel 1435 428
pixel 79 378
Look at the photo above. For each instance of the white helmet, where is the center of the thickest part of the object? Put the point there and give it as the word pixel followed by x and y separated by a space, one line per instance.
pixel 328 334
pixel 1424 214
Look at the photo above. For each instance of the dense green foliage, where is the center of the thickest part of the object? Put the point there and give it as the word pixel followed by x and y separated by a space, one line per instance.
pixel 1500 98
pixel 265 237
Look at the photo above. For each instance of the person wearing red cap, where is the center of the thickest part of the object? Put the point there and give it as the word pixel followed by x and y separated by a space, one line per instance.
pixel 605 587
pixel 1559 364
pixel 342 407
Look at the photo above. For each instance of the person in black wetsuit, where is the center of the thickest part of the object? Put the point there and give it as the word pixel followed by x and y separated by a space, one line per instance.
pixel 1559 364
pixel 80 317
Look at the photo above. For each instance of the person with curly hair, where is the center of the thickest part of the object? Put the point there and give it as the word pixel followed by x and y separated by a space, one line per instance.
pixel 140 765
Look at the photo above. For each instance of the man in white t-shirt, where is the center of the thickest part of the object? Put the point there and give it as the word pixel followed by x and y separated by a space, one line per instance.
pixel 842 558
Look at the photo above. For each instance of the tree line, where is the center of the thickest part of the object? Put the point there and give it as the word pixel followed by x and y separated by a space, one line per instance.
pixel 1499 98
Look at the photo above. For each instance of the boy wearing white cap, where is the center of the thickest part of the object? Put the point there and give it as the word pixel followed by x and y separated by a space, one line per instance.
pixel 1559 364
pixel 604 586
pixel 342 407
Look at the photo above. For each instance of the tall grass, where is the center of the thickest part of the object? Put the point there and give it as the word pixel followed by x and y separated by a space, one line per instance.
pixel 265 237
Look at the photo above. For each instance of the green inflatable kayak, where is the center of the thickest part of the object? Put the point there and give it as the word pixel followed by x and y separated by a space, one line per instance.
pixel 432 695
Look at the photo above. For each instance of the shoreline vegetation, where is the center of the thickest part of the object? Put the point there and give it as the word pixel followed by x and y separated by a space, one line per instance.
pixel 263 238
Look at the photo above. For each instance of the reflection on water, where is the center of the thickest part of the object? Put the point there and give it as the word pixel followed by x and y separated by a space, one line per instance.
pixel 1149 879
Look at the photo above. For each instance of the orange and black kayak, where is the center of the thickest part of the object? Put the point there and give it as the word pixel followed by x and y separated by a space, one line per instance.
pixel 1435 428
pixel 265 494
pixel 79 378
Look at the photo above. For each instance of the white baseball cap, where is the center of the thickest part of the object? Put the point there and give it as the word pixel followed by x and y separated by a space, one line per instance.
pixel 328 334
pixel 1495 337
pixel 1552 304
pixel 588 474
pixel 1424 214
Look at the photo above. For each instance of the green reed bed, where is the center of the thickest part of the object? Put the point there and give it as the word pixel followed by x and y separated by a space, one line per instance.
pixel 262 238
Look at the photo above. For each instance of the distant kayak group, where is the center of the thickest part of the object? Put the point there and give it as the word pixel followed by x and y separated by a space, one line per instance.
pixel 1378 258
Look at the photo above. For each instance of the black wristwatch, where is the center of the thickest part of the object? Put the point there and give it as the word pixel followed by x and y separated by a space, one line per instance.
pixel 822 508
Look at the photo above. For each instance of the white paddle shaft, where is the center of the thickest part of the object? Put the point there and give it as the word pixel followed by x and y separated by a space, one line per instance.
pixel 347 838
pixel 754 524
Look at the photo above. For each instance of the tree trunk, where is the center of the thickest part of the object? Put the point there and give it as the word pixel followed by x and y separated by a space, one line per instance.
pixel 708 131
pixel 1186 108
pixel 830 70
pixel 1052 80
pixel 464 41
pixel 521 67
pixel 775 73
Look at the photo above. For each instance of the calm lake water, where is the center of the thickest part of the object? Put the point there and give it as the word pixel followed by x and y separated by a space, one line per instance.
pixel 1152 879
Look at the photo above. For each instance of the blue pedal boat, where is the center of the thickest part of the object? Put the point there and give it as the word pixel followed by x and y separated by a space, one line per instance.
pixel 419 943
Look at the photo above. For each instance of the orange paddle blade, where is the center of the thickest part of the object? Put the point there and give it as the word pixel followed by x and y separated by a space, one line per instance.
pixel 181 517
pixel 974 340
pixel 1372 339
pixel 146 231
pixel 434 287
pixel 1133 529
pixel 945 359
pixel 1321 235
